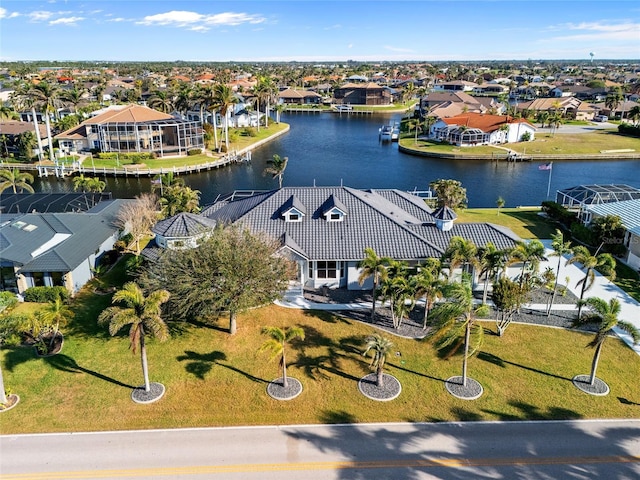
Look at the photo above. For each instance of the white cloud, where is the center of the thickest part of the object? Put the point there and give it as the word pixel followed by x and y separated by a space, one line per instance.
pixel 118 19
pixel 3 12
pixel 39 16
pixel 397 49
pixel 596 31
pixel 66 21
pixel 14 15
pixel 199 22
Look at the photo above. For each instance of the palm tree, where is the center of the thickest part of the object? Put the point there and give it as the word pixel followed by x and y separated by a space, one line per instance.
pixel 165 180
pixel 454 324
pixel 73 97
pixel 57 313
pixel 428 284
pixel 373 266
pixel 265 91
pixel 634 114
pixel 399 290
pixel 24 100
pixel 414 124
pixel 277 168
pixel 530 254
pixel 460 253
pixel 275 344
pixel 499 204
pixel 179 198
pixel 604 262
pixel 224 99
pixel 380 347
pixel 47 96
pixel 603 316
pixel 161 100
pixel 560 249
pixel 142 313
pixel 14 179
pixel 491 261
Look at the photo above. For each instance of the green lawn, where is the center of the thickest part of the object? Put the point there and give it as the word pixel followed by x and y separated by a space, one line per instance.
pixel 524 222
pixel 545 144
pixel 214 379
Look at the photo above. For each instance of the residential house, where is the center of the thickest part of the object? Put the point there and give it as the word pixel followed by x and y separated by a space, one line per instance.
pixel 580 197
pixel 471 129
pixel 325 230
pixel 455 86
pixel 49 249
pixel 12 129
pixel 299 97
pixel 450 104
pixel 629 213
pixel 568 106
pixel 362 94
pixel 133 128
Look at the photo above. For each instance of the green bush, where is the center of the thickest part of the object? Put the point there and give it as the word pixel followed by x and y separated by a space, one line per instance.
pixel 559 213
pixel 45 294
pixel 194 151
pixel 628 129
pixel 582 233
pixel 249 132
pixel 7 300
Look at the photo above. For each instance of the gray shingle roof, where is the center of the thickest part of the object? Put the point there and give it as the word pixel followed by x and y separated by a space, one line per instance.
pixel 393 223
pixel 80 235
pixel 183 225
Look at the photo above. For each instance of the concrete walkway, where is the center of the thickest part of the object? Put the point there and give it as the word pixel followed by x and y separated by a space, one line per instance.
pixel 602 288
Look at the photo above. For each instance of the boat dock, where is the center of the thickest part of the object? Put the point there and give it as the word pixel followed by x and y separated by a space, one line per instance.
pixel 332 110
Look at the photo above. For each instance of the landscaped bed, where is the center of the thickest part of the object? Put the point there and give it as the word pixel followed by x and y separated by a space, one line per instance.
pixel 216 379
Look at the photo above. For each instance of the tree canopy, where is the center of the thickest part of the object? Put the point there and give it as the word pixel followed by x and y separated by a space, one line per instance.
pixel 231 271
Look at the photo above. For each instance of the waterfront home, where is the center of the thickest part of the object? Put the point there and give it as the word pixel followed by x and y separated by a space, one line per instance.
pixel 11 130
pixel 362 94
pixel 579 198
pixel 51 249
pixel 569 107
pixel 325 230
pixel 299 97
pixel 450 104
pixel 470 129
pixel 629 213
pixel 133 128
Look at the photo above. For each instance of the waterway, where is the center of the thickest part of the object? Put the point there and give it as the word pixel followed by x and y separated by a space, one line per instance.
pixel 332 149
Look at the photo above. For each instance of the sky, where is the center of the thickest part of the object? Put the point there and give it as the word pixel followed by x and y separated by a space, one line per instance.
pixel 318 31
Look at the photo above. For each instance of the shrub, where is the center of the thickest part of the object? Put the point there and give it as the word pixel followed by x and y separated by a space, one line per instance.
pixel 45 294
pixel 582 233
pixel 628 129
pixel 194 151
pixel 7 300
pixel 559 213
pixel 249 132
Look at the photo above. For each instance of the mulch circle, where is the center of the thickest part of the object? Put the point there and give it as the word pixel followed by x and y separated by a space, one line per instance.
pixel 155 393
pixel 58 342
pixel 389 390
pixel 583 382
pixel 471 391
pixel 12 401
pixel 276 389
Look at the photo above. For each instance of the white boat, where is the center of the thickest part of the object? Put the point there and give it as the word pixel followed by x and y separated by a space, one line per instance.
pixel 385 133
pixel 395 132
pixel 343 108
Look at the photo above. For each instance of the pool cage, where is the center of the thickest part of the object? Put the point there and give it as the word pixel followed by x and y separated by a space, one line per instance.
pixel 171 137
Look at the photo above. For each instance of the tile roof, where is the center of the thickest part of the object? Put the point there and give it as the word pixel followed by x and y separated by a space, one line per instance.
pixel 71 238
pixel 485 122
pixel 183 225
pixel 393 223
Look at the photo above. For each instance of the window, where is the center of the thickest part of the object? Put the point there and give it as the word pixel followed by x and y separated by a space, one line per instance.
pixel 335 216
pixel 294 217
pixel 327 269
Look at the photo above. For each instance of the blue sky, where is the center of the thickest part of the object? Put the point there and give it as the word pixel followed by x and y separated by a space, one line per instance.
pixel 318 31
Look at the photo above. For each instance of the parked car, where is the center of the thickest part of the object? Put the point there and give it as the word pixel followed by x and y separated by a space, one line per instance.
pixel 600 118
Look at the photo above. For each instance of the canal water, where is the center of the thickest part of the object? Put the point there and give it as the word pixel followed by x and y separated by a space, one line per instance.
pixel 329 149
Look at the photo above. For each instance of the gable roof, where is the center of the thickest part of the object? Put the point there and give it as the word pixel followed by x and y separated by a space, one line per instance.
pixel 183 225
pixel 394 223
pixel 60 242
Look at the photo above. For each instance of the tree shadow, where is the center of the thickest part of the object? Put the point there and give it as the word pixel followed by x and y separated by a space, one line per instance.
pixel 532 412
pixel 627 402
pixel 500 362
pixel 423 375
pixel 336 417
pixel 65 363
pixel 243 373
pixel 199 364
pixel 460 451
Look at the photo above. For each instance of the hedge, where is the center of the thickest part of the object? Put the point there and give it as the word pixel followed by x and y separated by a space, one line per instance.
pixel 45 294
pixel 628 129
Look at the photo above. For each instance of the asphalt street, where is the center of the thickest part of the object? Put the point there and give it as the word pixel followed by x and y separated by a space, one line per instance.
pixel 513 450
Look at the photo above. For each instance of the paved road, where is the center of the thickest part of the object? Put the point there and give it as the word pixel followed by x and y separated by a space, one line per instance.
pixel 516 450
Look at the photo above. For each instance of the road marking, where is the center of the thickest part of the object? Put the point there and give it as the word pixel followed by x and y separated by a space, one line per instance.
pixel 344 465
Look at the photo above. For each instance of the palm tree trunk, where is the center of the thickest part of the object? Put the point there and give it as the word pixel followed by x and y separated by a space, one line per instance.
pixel 582 290
pixel 373 304
pixel 467 337
pixel 48 124
pixel 486 288
pixel 232 322
pixel 555 289
pixel 379 377
pixel 143 358
pixel 425 318
pixel 284 371
pixel 594 363
pixel 215 130
pixel 35 124
pixel 3 395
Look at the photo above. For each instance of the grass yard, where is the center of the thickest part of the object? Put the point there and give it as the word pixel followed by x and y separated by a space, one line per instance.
pixel 214 379
pixel 524 222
